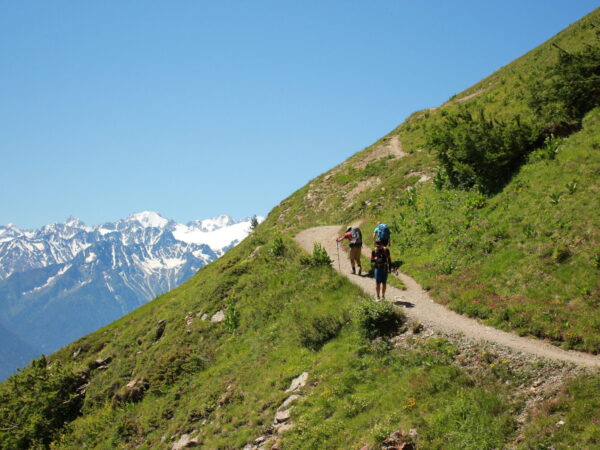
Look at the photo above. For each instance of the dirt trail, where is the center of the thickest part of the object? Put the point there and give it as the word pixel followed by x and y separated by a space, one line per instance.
pixel 419 306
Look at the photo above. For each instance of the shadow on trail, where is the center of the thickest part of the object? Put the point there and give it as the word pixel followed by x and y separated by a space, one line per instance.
pixel 403 303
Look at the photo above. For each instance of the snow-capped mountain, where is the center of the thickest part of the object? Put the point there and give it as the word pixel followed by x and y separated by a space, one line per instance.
pixel 64 280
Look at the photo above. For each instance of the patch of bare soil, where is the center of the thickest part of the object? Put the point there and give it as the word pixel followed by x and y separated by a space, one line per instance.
pixel 391 147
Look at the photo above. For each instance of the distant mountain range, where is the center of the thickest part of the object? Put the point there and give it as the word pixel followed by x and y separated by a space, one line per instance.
pixel 65 280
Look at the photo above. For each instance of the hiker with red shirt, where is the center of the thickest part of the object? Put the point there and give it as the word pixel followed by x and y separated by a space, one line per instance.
pixel 382 263
pixel 354 236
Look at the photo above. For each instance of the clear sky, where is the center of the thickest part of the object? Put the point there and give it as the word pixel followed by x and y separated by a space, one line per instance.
pixel 196 108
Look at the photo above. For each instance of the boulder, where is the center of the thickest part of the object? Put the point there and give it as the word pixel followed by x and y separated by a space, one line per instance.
pixel 219 316
pixel 282 416
pixel 298 382
pixel 185 441
pixel 289 401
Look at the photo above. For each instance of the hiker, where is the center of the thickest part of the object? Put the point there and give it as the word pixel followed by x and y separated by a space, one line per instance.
pixel 382 263
pixel 354 236
pixel 382 233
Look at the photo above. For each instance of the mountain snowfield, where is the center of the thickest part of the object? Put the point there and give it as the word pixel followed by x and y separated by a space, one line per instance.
pixel 65 280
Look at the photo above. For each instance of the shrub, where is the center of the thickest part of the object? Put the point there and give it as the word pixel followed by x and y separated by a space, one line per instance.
pixel 37 402
pixel 232 318
pixel 479 152
pixel 319 257
pixel 379 319
pixel 569 90
pixel 278 247
pixel 314 332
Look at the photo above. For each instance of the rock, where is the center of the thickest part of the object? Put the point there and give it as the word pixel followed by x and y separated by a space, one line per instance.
pixel 160 329
pixel 412 433
pixel 284 427
pixel 400 440
pixel 185 441
pixel 219 316
pixel 289 400
pixel 204 317
pixel 101 363
pixel 131 392
pixel 76 353
pixel 298 382
pixel 560 423
pixel 189 319
pixel 282 416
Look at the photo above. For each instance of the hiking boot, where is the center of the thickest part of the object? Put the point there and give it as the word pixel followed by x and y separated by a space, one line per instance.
pixel 353 271
pixel 359 270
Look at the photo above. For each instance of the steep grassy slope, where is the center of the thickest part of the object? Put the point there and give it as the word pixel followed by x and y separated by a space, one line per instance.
pixel 518 259
pixel 524 259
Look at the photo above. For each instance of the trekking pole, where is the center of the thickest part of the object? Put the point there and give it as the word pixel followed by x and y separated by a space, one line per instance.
pixel 337 244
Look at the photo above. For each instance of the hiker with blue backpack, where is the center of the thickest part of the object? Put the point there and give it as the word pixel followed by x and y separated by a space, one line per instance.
pixel 382 233
pixel 354 236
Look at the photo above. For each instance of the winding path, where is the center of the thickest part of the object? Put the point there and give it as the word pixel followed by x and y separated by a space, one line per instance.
pixel 418 305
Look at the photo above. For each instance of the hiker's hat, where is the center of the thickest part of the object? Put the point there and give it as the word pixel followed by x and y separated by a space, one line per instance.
pixel 349 229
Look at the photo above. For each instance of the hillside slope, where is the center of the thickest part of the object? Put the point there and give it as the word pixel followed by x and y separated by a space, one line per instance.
pixel 270 346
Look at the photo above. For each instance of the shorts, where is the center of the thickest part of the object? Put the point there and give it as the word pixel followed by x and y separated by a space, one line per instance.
pixel 381 275
pixel 355 254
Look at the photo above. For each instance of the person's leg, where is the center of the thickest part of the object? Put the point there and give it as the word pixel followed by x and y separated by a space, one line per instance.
pixel 383 282
pixel 383 285
pixel 355 259
pixel 378 281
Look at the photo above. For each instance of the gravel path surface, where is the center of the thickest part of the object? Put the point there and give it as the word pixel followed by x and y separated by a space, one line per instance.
pixel 418 305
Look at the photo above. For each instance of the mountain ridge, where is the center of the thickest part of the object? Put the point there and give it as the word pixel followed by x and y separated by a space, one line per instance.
pixel 48 274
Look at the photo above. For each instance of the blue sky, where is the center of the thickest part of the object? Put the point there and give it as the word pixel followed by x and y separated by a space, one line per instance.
pixel 196 108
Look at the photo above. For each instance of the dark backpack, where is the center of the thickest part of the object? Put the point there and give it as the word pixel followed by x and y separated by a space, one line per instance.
pixel 383 232
pixel 356 240
pixel 380 259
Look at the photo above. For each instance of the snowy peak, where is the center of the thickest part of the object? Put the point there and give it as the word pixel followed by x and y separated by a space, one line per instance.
pixel 84 277
pixel 213 224
pixel 148 219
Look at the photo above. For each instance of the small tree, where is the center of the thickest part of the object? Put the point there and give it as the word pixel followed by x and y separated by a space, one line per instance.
pixel 253 223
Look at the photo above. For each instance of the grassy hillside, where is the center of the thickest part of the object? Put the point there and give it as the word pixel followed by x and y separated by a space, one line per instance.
pixel 524 257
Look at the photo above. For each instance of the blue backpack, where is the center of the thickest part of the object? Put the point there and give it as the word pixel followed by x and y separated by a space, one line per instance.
pixel 383 232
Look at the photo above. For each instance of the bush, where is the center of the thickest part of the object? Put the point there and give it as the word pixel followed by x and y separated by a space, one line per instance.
pixel 278 247
pixel 479 152
pixel 232 318
pixel 37 402
pixel 314 332
pixel 379 319
pixel 319 257
pixel 571 89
